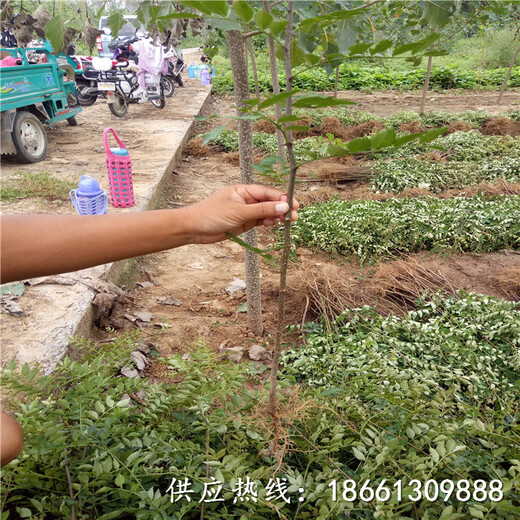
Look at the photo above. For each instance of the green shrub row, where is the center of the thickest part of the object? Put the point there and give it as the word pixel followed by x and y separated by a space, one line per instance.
pixel 396 175
pixel 371 229
pixel 355 77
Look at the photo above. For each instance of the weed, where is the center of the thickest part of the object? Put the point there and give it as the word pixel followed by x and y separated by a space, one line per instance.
pixel 42 185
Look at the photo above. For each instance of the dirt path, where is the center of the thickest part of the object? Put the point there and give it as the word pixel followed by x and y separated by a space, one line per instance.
pixel 197 276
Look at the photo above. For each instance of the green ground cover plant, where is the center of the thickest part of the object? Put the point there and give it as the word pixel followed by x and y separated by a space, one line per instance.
pixel 396 175
pixel 430 395
pixel 371 230
pixel 362 77
pixel 42 185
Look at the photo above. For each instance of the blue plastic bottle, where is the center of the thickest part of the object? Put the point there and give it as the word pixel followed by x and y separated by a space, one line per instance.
pixel 89 198
pixel 191 70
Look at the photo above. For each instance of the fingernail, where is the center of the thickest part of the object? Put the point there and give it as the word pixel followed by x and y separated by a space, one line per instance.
pixel 282 207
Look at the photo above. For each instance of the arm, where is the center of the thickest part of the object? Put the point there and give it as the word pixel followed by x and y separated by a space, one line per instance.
pixel 39 245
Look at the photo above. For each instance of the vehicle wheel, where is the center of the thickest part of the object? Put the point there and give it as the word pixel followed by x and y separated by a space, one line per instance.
pixel 159 103
pixel 84 99
pixel 167 86
pixel 119 107
pixel 72 121
pixel 29 138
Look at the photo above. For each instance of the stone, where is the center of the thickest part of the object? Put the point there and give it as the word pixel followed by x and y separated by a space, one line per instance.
pixel 81 162
pixel 145 285
pixel 130 372
pixel 57 160
pixel 232 353
pixel 169 300
pixel 236 285
pixel 97 149
pixel 258 353
pixel 140 359
pixel 144 316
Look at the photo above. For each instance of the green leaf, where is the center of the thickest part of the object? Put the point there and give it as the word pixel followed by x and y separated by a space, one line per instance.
pixel 115 21
pixel 224 24
pixel 326 19
pixel 418 46
pixel 263 19
pixel 359 145
pixel 406 139
pixel 120 480
pixel 243 10
pixel 16 289
pixel 277 26
pixel 24 512
pixel 268 258
pixel 288 119
pixel 111 515
pixel 346 36
pixel 213 134
pixel 320 102
pixel 242 307
pixel 383 138
pixel 273 100
pixel 55 32
pixel 174 16
pixel 358 454
pixel 359 48
pixel 437 12
pixel 430 135
pixel 381 46
pixel 219 7
pixel 337 150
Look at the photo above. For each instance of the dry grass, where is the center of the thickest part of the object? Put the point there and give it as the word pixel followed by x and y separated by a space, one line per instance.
pixel 332 125
pixel 412 127
pixel 264 126
pixel 509 283
pixel 458 126
pixel 401 283
pixel 194 147
pixel 367 128
pixel 501 126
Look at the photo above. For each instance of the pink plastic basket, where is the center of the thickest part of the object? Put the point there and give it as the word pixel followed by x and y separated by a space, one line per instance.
pixel 119 168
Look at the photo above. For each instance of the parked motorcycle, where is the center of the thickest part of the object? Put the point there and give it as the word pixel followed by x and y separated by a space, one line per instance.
pixel 124 51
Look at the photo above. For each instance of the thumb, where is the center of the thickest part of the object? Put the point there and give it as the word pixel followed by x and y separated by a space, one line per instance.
pixel 263 210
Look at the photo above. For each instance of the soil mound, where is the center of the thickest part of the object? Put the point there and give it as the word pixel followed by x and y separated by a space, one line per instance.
pixel 458 126
pixel 412 127
pixel 501 126
pixel 301 134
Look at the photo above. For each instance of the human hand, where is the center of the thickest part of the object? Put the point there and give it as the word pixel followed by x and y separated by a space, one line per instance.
pixel 235 210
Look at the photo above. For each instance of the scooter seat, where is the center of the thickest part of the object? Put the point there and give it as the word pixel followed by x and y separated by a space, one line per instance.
pixel 103 64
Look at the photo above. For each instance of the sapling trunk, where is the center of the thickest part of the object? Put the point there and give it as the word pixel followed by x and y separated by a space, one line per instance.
pixel 336 80
pixel 245 138
pixel 273 401
pixel 253 66
pixel 276 86
pixel 426 83
pixel 513 61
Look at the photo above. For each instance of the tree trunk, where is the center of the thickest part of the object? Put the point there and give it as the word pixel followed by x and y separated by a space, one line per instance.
pixel 336 83
pixel 426 83
pixel 273 401
pixel 276 86
pixel 253 66
pixel 245 138
pixel 502 90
